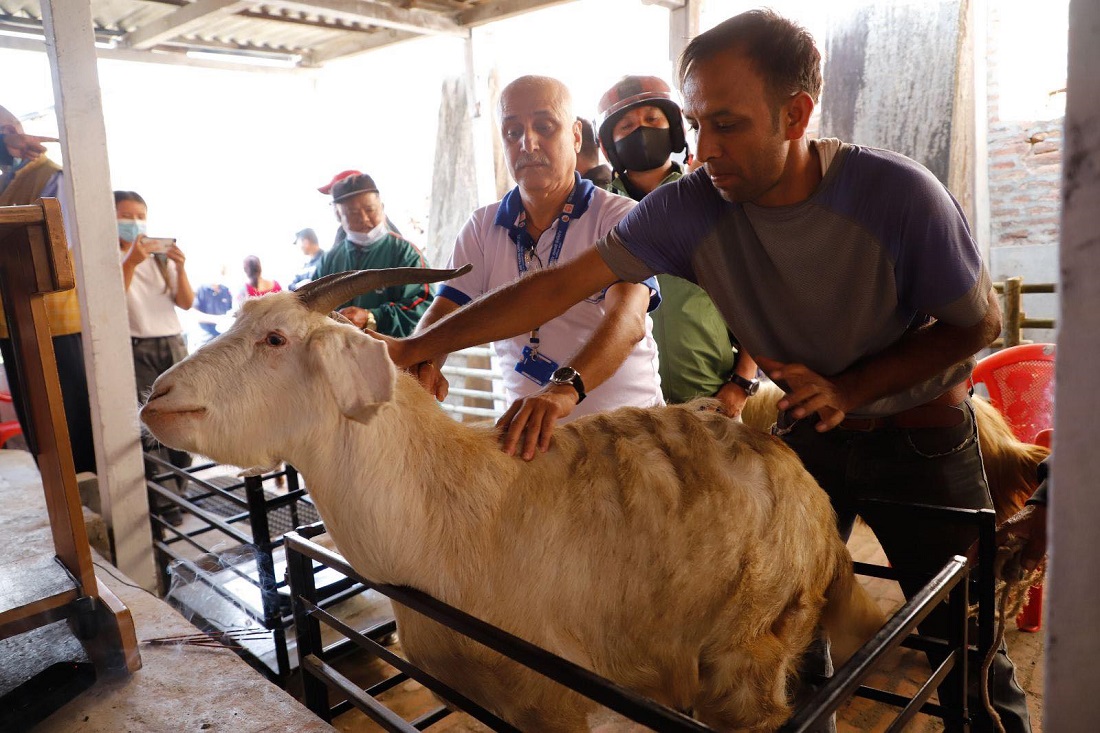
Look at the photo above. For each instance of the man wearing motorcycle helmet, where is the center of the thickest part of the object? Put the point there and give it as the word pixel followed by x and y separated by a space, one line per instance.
pixel 640 128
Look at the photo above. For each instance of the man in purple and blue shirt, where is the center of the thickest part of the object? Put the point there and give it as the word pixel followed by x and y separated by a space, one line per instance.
pixel 849 273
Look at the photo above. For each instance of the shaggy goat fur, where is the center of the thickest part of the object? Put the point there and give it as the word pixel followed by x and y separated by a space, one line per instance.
pixel 678 553
pixel 1011 465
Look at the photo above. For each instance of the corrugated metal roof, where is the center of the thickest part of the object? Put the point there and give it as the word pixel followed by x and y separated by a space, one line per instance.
pixel 301 32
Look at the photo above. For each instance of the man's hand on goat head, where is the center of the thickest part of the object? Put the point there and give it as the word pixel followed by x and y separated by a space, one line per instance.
pixel 532 419
pixel 361 317
pixel 809 392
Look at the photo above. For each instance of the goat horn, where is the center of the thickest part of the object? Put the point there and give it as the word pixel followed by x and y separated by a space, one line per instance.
pixel 326 294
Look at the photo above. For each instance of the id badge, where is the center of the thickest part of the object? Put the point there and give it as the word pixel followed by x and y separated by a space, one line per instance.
pixel 536 367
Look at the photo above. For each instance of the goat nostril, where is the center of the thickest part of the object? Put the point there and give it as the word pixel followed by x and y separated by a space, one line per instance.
pixel 158 392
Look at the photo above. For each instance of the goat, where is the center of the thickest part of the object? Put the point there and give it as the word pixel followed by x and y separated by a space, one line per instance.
pixel 1011 465
pixel 678 553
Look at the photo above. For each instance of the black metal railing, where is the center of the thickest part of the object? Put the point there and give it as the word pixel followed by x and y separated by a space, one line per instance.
pixel 954 653
pixel 244 520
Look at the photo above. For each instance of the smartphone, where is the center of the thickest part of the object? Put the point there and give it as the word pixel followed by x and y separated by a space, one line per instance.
pixel 157 245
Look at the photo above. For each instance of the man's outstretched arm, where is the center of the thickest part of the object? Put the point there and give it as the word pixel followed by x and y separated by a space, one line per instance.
pixel 508 311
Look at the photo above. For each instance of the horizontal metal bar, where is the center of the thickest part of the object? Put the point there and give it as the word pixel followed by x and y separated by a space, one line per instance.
pixel 849 677
pixel 474 411
pixel 429 719
pixel 490 374
pixel 636 707
pixel 370 707
pixel 916 703
pixel 481 394
pixel 1029 287
pixel 198 511
pixel 449 694
pixel 898 701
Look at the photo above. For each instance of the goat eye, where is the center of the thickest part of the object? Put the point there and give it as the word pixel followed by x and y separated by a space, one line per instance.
pixel 275 339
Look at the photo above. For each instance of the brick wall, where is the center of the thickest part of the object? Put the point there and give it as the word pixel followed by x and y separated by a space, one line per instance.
pixel 1025 162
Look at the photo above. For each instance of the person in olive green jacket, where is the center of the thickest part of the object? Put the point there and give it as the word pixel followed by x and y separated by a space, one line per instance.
pixel 640 128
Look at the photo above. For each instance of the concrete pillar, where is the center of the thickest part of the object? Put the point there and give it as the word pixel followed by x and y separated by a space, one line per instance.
pixel 683 25
pixel 91 230
pixel 1072 636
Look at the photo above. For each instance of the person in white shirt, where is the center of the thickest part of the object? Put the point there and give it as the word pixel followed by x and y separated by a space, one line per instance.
pixel 600 354
pixel 156 284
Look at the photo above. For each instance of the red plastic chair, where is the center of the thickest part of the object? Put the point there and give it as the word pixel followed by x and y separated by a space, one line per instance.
pixel 1020 381
pixel 8 428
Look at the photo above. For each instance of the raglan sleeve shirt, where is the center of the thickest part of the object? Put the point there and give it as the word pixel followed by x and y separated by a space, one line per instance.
pixel 659 235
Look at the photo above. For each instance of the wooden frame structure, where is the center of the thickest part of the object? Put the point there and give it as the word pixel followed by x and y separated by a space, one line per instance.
pixel 34 260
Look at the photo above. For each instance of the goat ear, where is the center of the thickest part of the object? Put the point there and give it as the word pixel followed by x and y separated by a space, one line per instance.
pixel 356 368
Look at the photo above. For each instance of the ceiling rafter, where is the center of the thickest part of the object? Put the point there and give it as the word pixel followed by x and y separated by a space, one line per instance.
pixel 181 21
pixel 422 22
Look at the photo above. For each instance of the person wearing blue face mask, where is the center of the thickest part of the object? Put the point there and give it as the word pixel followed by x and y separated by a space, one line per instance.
pixel 371 245
pixel 640 130
pixel 156 284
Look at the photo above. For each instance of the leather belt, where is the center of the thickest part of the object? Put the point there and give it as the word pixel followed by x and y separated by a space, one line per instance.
pixel 942 412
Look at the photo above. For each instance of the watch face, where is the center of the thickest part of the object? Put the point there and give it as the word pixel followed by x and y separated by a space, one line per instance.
pixel 564 375
pixel 754 385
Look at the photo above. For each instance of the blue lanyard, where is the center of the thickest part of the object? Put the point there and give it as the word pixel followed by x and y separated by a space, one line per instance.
pixel 525 243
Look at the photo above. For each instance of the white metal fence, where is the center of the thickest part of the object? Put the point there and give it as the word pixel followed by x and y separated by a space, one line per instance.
pixel 476 387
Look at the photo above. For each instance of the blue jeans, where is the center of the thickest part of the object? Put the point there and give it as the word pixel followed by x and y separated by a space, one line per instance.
pixel 939 466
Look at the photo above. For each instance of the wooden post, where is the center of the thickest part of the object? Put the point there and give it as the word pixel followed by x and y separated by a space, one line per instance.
pixel 1013 317
pixel 90 225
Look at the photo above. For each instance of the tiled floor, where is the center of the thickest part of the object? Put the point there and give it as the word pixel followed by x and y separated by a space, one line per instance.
pixel 859 715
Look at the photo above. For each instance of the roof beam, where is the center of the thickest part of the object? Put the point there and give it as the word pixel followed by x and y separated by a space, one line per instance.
pixel 182 21
pixel 500 9
pixel 354 43
pixel 421 22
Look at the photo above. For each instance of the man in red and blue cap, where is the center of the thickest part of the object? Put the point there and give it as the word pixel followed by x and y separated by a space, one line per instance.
pixel 370 244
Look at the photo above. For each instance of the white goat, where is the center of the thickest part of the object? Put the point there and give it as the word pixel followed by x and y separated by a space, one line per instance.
pixel 677 552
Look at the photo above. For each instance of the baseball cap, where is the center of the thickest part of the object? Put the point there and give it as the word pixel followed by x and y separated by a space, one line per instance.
pixel 352 186
pixel 327 188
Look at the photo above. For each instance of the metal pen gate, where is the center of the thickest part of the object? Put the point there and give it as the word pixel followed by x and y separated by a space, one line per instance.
pixel 952 583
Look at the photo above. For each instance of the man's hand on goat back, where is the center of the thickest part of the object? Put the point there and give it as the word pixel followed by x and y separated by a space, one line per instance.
pixel 809 393
pixel 532 419
pixel 733 399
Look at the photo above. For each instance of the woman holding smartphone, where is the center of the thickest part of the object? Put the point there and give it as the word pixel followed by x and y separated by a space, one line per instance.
pixel 156 284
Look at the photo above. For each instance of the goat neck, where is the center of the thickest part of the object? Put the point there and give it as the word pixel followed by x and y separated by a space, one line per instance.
pixel 409 489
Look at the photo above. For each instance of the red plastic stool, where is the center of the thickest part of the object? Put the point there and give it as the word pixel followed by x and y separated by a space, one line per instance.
pixel 8 428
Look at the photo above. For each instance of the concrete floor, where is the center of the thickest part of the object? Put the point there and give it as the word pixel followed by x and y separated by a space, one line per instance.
pixel 178 688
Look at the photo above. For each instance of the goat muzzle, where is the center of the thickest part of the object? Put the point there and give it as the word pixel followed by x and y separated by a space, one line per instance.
pixel 325 294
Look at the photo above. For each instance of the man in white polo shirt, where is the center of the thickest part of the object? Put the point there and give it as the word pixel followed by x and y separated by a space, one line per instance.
pixel 600 354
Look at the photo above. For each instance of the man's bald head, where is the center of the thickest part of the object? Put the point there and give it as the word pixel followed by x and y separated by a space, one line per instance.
pixel 541 135
pixel 553 92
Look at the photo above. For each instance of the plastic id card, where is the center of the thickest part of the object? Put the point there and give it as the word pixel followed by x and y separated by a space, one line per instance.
pixel 536 367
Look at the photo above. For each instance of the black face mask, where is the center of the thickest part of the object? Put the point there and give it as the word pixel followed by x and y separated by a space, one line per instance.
pixel 644 149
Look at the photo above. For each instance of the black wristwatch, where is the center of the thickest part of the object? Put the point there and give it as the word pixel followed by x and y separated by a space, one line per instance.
pixel 569 376
pixel 749 385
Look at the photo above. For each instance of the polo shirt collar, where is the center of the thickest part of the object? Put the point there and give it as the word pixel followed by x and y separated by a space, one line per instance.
pixel 512 216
